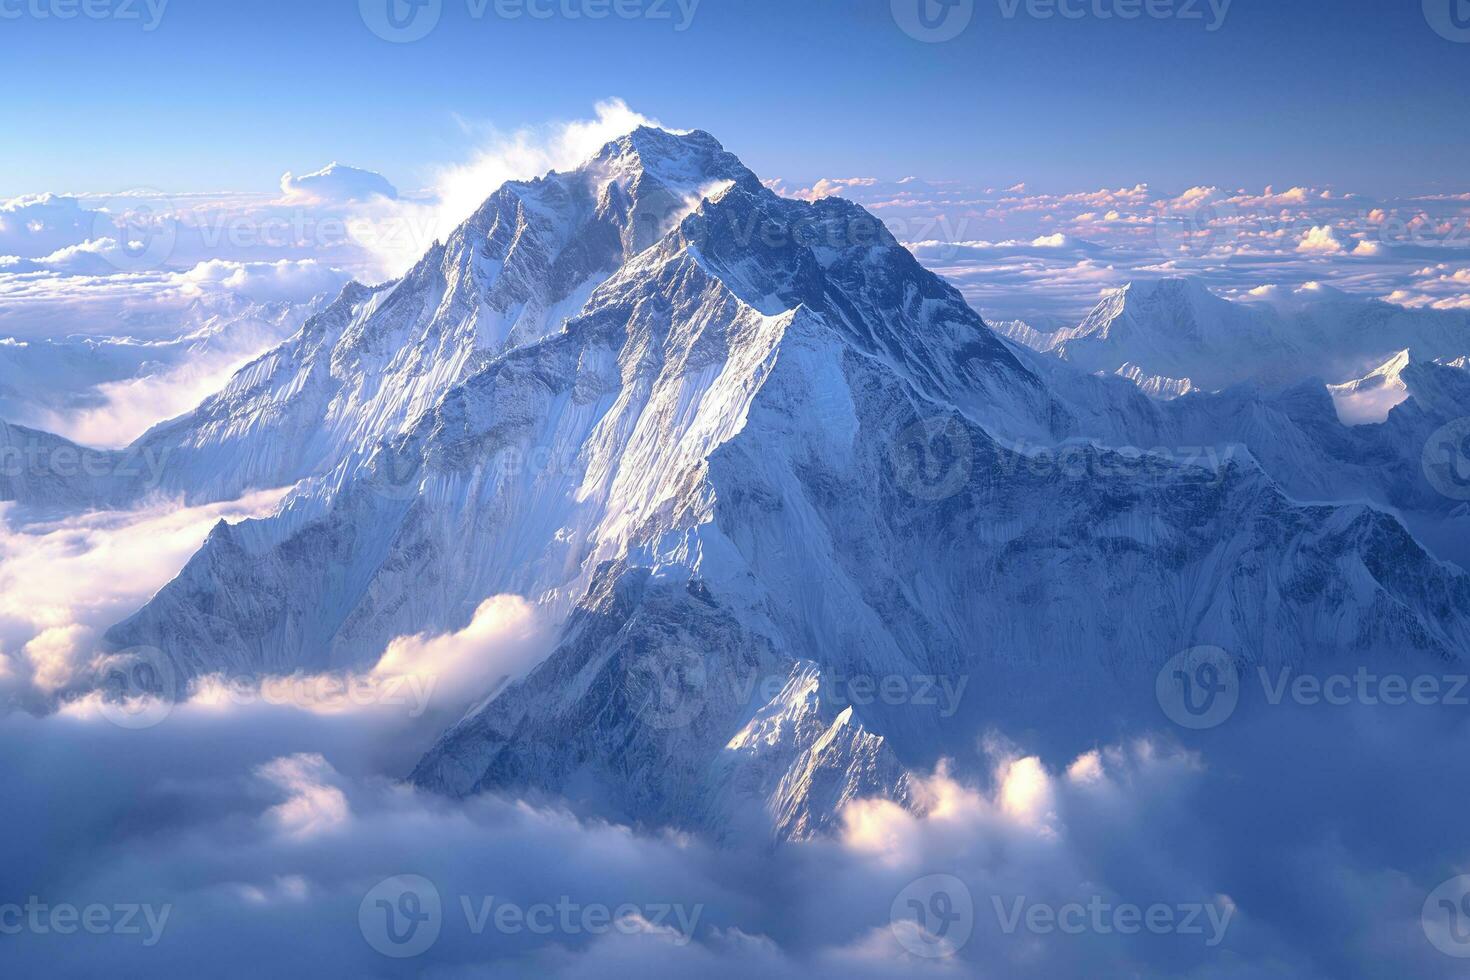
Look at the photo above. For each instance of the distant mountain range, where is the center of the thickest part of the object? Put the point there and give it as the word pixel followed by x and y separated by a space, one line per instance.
pixel 1174 336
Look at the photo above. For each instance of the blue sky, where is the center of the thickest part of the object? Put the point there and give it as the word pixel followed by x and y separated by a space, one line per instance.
pixel 1363 94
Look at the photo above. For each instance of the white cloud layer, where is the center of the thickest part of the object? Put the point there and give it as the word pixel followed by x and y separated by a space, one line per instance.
pixel 62 584
pixel 265 833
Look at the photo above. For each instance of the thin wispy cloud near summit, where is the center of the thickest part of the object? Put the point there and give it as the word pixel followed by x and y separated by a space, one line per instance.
pixel 458 189
pixel 915 520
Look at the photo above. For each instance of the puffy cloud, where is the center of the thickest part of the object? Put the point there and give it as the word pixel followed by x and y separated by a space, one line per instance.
pixel 82 293
pixel 839 187
pixel 502 642
pixel 1320 241
pixel 265 282
pixel 337 184
pixel 31 227
pixel 94 257
pixel 1194 198
pixel 314 804
pixel 1274 199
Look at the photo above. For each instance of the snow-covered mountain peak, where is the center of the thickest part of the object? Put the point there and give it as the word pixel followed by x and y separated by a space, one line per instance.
pixel 1141 310
pixel 1181 305
pixel 692 157
pixel 741 450
pixel 1174 290
pixel 1371 398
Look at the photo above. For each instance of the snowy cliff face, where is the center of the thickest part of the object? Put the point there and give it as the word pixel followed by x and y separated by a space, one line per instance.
pixel 766 462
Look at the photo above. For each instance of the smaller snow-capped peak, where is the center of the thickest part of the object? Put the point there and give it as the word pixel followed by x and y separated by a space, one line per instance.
pixel 1371 398
pixel 1164 308
pixel 1178 305
pixel 1172 329
pixel 1390 372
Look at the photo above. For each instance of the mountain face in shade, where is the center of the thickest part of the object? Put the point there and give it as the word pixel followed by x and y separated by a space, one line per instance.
pixel 803 524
